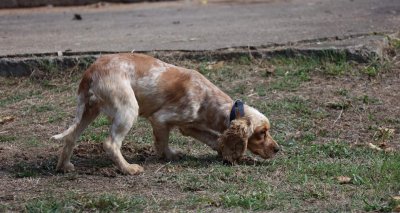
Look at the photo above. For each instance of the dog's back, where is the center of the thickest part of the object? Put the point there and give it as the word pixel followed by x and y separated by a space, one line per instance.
pixel 157 85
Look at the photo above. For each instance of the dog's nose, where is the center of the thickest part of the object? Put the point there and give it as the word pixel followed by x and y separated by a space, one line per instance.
pixel 276 149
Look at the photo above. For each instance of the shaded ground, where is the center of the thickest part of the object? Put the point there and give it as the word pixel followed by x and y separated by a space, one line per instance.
pixel 324 112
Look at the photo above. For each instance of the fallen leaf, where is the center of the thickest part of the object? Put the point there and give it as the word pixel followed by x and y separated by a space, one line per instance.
pixel 396 198
pixel 215 66
pixel 390 149
pixel 385 134
pixel 270 70
pixel 396 209
pixel 218 65
pixel 374 147
pixel 386 130
pixel 383 144
pixel 6 119
pixel 338 105
pixel 343 179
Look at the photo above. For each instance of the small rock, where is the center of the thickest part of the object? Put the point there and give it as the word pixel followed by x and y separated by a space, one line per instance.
pixel 343 179
pixel 77 17
pixel 374 147
pixel 6 119
pixel 396 209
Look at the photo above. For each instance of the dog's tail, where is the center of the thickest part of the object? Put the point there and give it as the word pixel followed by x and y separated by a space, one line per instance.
pixel 84 95
pixel 79 112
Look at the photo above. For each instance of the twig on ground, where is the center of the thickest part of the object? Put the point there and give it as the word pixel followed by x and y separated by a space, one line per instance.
pixel 339 116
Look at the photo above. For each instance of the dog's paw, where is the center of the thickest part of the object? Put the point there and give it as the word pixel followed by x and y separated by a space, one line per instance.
pixel 132 169
pixel 65 167
pixel 173 155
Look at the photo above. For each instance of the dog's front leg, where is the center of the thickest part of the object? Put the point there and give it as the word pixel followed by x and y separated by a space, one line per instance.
pixel 207 137
pixel 161 137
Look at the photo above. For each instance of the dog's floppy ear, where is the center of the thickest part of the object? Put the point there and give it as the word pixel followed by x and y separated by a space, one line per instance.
pixel 233 142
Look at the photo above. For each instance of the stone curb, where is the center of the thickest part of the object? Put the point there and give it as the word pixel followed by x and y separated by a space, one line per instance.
pixel 39 3
pixel 363 49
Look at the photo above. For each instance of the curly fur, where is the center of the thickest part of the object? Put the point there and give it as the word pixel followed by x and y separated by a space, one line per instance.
pixel 234 140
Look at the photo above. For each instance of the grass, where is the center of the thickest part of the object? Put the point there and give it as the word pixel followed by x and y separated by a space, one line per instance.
pixel 322 115
pixel 292 72
pixel 74 202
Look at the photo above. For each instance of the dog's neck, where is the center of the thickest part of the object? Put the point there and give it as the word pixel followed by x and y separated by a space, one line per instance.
pixel 221 120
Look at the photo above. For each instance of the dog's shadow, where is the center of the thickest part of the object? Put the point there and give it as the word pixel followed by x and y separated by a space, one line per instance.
pixel 90 159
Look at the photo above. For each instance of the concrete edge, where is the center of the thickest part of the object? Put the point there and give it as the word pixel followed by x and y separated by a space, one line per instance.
pixel 6 4
pixel 362 49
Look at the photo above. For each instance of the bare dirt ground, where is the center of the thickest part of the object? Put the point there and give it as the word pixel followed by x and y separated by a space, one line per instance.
pixel 322 111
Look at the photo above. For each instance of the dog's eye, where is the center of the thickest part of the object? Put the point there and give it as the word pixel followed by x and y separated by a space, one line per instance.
pixel 261 135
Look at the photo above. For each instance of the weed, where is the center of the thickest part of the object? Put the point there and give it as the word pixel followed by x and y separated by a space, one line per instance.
pixel 94 136
pixel 395 43
pixel 244 60
pixel 101 121
pixel 75 202
pixel 371 71
pixel 33 141
pixel 49 66
pixel 376 207
pixel 11 99
pixel 369 100
pixel 22 170
pixel 292 104
pixel 261 90
pixel 336 69
pixel 7 138
pixel 57 116
pixel 4 208
pixel 44 108
pixel 252 200
pixel 240 89
pixel 343 92
pixel 203 69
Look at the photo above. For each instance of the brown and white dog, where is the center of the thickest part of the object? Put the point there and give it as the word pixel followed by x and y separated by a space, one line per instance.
pixel 125 86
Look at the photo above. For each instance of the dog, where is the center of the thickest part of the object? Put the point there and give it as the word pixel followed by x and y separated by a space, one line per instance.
pixel 127 85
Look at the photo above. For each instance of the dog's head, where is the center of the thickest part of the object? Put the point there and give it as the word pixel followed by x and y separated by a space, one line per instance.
pixel 247 133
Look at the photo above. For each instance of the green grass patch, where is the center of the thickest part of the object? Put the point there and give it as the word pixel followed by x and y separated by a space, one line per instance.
pixel 7 138
pixel 76 202
pixel 292 72
pixel 15 98
pixel 56 116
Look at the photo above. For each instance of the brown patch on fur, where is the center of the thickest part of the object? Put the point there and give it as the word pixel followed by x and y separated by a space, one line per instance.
pixel 174 84
pixel 97 67
pixel 143 63
pixel 84 85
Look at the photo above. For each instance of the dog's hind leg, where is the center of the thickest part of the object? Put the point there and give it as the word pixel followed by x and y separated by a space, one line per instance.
pixel 124 110
pixel 85 115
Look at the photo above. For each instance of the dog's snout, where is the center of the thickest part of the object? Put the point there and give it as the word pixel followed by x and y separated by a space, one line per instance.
pixel 276 149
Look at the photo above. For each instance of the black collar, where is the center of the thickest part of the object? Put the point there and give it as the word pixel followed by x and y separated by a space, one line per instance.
pixel 237 110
